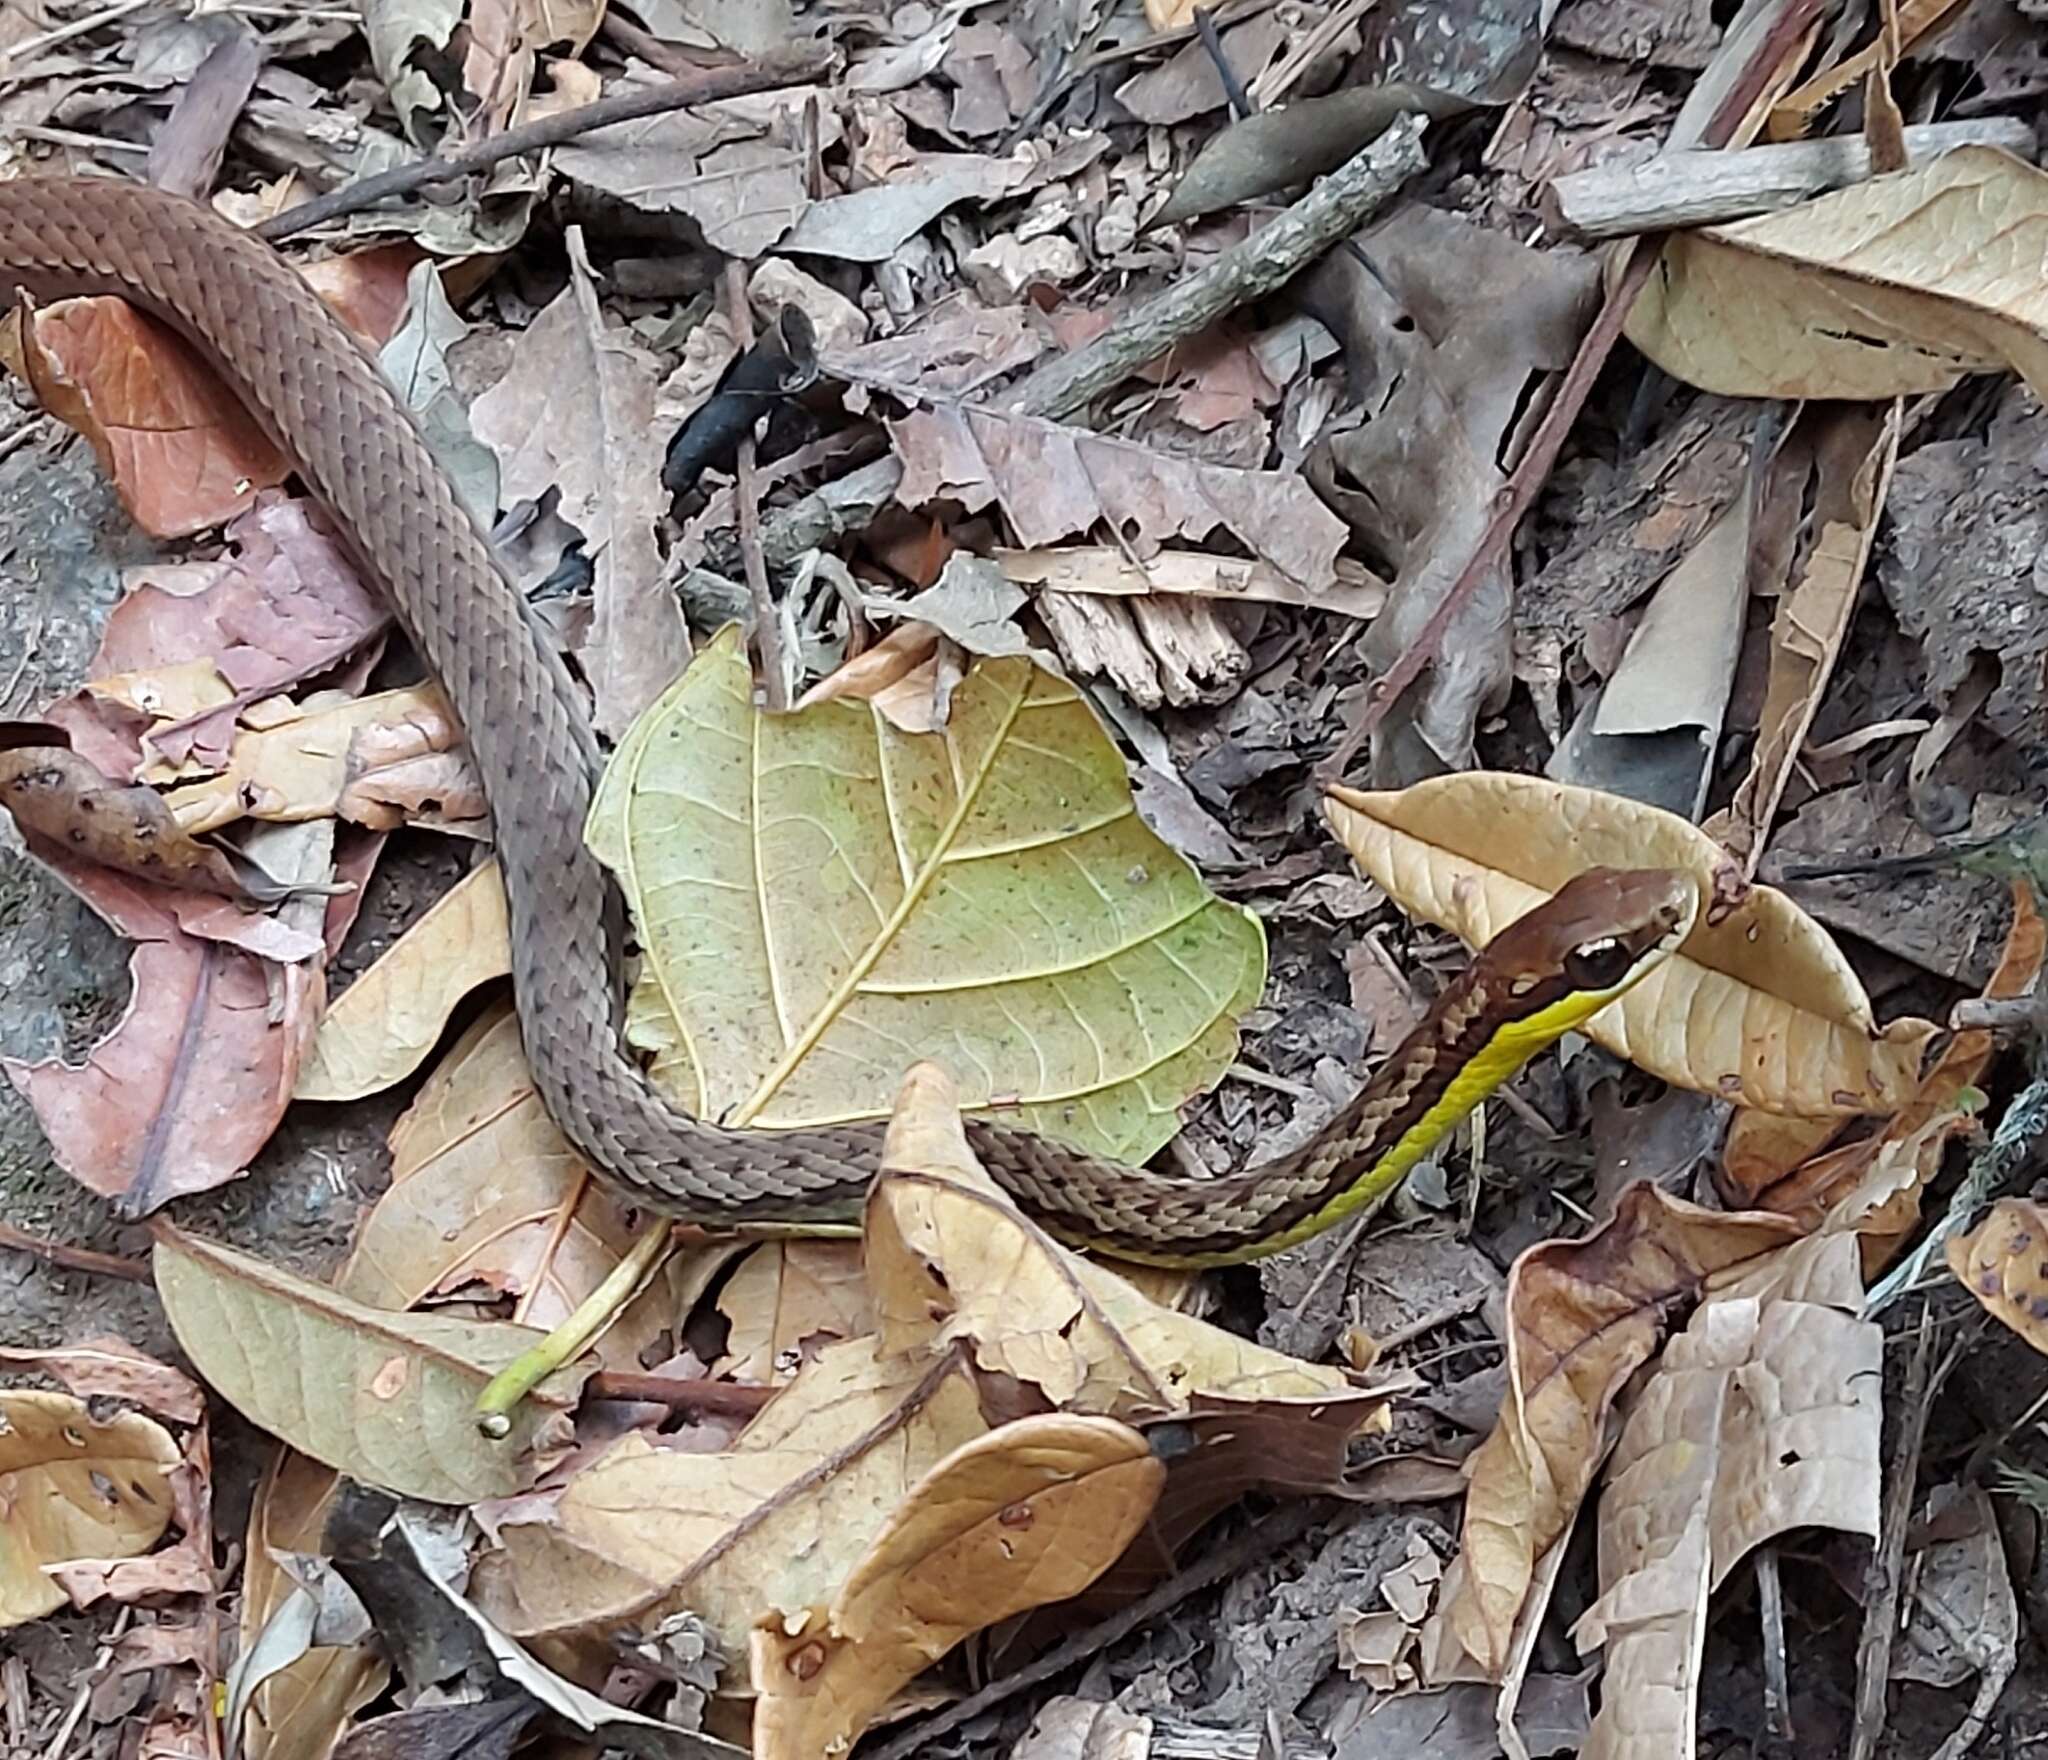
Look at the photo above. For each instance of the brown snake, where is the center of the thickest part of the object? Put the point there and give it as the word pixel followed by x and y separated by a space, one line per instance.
pixel 322 400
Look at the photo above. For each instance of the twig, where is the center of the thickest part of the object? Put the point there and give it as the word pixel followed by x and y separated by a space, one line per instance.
pixel 786 68
pixel 1212 43
pixel 1887 1563
pixel 1248 271
pixel 680 1393
pixel 1534 470
pixel 746 498
pixel 1256 1542
pixel 63 33
pixel 657 52
pixel 75 1258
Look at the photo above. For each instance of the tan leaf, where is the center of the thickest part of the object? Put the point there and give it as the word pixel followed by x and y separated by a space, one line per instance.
pixel 74 1489
pixel 1055 482
pixel 1895 285
pixel 1763 1416
pixel 2003 1262
pixel 774 1522
pixel 574 415
pixel 1853 458
pixel 1912 1140
pixel 950 1257
pixel 1793 114
pixel 1028 1515
pixel 112 1368
pixel 1759 1006
pixel 298 769
pixel 486 1191
pixel 299 1712
pixel 1583 1316
pixel 388 1398
pixel 785 1295
pixel 818 895
pixel 1351 590
pixel 385 1023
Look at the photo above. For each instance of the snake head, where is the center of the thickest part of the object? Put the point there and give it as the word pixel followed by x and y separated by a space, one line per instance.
pixel 1600 933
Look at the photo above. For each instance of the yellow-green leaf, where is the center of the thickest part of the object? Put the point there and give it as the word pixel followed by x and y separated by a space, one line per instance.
pixel 824 900
pixel 389 1399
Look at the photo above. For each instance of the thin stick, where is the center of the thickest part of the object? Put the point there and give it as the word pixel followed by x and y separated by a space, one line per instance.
pixel 1888 1557
pixel 1770 1607
pixel 1534 470
pixel 681 1393
pixel 787 68
pixel 746 496
pixel 1259 1541
pixel 75 1258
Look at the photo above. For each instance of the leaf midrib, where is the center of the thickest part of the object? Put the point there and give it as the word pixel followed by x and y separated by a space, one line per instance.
pixel 967 792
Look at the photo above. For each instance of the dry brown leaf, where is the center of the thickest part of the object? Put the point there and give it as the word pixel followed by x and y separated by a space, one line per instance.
pixel 1763 1416
pixel 180 449
pixel 1351 590
pixel 1786 1176
pixel 54 794
pixel 388 1398
pixel 2003 1262
pixel 193 1079
pixel 1054 482
pixel 1583 1316
pixel 950 1257
pixel 1896 285
pixel 487 1195
pixel 1022 1517
pixel 192 645
pixel 1794 113
pixel 775 1522
pixel 786 1295
pixel 574 414
pixel 300 1711
pixel 1853 460
pixel 112 1368
pixel 385 1023
pixel 74 1489
pixel 1759 1006
pixel 299 768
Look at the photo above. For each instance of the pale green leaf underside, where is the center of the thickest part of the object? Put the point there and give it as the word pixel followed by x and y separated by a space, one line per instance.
pixel 824 901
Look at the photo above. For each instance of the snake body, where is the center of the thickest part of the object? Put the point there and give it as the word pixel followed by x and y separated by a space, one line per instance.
pixel 355 446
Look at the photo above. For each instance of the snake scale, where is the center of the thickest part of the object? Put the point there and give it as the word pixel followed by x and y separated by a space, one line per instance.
pixel 355 446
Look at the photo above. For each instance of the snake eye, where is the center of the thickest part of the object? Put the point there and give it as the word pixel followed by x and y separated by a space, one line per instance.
pixel 1598 965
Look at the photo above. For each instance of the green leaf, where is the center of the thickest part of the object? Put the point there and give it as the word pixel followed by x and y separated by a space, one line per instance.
pixel 389 1399
pixel 823 900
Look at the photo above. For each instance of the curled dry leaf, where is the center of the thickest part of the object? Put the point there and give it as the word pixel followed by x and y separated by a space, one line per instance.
pixel 1583 1316
pixel 300 767
pixel 56 795
pixel 74 1489
pixel 1027 1515
pixel 1759 1006
pixel 775 1522
pixel 112 1368
pixel 1807 1187
pixel 950 1257
pixel 817 892
pixel 1055 482
pixel 1763 1416
pixel 1895 285
pixel 383 1025
pixel 2001 1262
pixel 297 1711
pixel 389 1399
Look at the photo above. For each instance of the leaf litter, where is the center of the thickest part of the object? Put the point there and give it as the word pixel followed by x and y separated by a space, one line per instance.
pixel 870 1454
